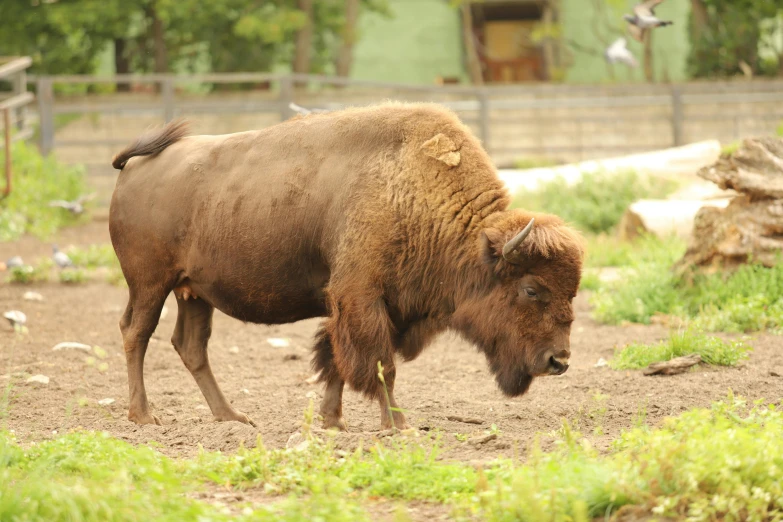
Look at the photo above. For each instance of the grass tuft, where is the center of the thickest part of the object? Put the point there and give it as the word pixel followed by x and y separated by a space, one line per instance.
pixel 597 202
pixel 713 351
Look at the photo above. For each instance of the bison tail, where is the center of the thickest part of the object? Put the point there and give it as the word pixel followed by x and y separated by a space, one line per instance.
pixel 152 142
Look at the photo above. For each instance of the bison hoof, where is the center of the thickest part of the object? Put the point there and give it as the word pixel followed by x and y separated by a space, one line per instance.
pixel 335 422
pixel 143 418
pixel 235 416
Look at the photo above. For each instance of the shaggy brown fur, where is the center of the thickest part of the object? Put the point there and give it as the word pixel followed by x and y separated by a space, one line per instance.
pixel 388 220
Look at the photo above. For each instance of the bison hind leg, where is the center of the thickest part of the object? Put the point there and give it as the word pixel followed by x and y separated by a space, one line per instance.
pixel 323 362
pixel 190 339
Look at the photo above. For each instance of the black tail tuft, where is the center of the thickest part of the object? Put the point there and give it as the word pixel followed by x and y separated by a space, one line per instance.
pixel 152 142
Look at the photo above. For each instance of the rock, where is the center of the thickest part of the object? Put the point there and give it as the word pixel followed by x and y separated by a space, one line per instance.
pixel 106 402
pixel 39 379
pixel 297 442
pixel 71 346
pixel 16 318
pixel 278 342
pixel 601 363
pixel 234 349
pixel 32 296
pixel 292 357
pixel 663 217
pixel 776 372
pixel 313 378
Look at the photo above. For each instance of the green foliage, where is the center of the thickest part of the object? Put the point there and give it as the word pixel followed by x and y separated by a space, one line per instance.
pixel 36 181
pixel 590 281
pixel 533 163
pixel 67 37
pixel 73 276
pixel 712 350
pixel 94 256
pixel 749 299
pixel 597 202
pixel 734 32
pixel 706 464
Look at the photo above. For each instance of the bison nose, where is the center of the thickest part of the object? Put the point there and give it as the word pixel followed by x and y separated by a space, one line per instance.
pixel 558 365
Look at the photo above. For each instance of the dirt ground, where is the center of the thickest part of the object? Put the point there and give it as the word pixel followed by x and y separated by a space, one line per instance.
pixel 269 383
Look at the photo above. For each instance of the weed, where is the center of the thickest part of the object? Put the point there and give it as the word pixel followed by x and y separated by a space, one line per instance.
pixel 37 181
pixel 597 202
pixel 590 281
pixel 712 350
pixel 73 276
pixel 27 274
pixel 94 256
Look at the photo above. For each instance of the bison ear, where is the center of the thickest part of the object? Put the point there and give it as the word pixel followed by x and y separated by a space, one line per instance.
pixel 443 149
pixel 492 241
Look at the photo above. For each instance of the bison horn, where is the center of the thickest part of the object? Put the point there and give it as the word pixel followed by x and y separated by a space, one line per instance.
pixel 509 248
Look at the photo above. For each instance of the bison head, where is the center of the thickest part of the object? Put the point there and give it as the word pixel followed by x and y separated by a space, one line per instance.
pixel 521 314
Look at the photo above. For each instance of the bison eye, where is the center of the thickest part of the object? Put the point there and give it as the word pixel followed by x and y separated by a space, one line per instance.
pixel 530 292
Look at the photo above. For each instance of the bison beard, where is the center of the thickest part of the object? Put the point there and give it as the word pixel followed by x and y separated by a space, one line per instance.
pixel 390 221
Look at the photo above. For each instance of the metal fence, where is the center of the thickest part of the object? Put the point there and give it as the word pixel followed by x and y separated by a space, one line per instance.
pixel 560 121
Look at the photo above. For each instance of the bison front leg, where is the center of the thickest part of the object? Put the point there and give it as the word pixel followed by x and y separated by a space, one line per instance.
pixel 361 338
pixel 190 339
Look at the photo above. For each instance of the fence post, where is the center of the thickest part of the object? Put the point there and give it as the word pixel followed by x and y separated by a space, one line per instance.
pixel 286 97
pixel 481 96
pixel 45 94
pixel 167 94
pixel 21 88
pixel 677 115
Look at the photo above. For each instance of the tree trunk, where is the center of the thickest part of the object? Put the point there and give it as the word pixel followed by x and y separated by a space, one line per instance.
pixel 474 66
pixel 345 55
pixel 699 19
pixel 158 40
pixel 649 70
pixel 121 62
pixel 304 40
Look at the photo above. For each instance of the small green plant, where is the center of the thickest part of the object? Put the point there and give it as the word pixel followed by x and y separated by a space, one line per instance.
pixel 37 181
pixel 73 276
pixel 27 274
pixel 595 203
pixel 712 350
pixel 94 256
pixel 730 148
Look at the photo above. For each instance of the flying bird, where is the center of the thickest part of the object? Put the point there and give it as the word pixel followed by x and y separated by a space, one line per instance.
pixel 643 19
pixel 619 53
pixel 61 259
pixel 75 207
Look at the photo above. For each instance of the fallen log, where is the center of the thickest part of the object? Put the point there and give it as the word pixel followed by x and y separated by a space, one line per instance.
pixel 673 366
pixel 663 217
pixel 750 227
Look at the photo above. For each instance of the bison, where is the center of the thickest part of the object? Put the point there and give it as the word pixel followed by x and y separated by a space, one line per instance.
pixel 390 221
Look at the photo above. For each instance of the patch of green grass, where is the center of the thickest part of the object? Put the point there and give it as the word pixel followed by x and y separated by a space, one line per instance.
pixel 73 276
pixel 37 180
pixel 597 202
pixel 94 256
pixel 27 274
pixel 713 351
pixel 706 464
pixel 749 299
pixel 534 163
pixel 730 148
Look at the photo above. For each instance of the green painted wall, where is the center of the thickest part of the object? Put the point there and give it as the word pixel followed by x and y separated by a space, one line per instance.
pixel 423 40
pixel 670 44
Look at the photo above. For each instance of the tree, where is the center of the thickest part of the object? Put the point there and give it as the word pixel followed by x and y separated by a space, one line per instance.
pixel 726 36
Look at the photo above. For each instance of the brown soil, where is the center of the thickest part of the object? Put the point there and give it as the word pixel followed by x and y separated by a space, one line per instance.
pixel 269 383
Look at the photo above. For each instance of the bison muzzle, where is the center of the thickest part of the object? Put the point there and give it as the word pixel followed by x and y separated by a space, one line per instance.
pixel 389 221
